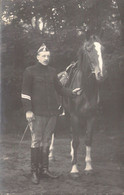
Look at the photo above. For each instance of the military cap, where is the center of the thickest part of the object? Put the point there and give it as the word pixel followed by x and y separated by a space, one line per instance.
pixel 43 48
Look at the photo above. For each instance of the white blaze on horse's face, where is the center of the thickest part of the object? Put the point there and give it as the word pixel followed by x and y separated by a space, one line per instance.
pixel 99 53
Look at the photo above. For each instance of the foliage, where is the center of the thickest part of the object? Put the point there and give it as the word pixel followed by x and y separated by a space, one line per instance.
pixel 62 25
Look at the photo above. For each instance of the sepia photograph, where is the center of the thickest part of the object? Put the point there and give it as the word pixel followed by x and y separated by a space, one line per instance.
pixel 62 97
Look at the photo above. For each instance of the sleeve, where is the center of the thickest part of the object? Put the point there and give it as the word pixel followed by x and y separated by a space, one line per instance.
pixel 26 91
pixel 60 89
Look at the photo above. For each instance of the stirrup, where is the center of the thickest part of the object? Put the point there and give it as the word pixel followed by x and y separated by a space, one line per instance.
pixel 62 114
pixel 61 111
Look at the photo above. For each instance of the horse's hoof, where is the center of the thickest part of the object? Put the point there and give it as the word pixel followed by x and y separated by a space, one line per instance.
pixel 74 175
pixel 88 172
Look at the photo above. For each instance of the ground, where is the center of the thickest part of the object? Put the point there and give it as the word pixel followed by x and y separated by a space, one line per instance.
pixel 107 161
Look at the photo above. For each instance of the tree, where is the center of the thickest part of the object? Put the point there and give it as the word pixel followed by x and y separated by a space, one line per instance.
pixel 120 4
pixel 61 24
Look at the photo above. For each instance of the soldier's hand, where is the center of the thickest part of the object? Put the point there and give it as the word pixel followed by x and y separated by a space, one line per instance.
pixel 30 116
pixel 77 91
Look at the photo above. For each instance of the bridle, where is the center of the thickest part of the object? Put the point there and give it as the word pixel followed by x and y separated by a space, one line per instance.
pixel 92 65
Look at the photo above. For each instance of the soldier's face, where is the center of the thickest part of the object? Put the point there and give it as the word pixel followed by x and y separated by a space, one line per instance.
pixel 44 57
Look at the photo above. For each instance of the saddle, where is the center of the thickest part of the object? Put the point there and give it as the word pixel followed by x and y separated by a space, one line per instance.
pixel 66 75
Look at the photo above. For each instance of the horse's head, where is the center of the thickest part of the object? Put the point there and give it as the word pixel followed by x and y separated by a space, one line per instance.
pixel 93 51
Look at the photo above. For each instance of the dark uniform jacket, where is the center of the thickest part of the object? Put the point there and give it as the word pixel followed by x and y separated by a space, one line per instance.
pixel 39 90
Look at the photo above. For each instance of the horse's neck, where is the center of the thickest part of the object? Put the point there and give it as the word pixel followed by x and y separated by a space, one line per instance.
pixel 81 77
pixel 91 88
pixel 76 81
pixel 72 72
pixel 88 80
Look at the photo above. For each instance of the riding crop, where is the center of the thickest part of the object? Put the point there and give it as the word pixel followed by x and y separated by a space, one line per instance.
pixel 24 133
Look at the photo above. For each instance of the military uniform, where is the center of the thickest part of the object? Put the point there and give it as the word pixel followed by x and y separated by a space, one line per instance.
pixel 39 95
pixel 40 88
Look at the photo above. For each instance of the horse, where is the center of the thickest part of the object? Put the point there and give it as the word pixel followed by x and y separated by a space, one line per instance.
pixel 90 71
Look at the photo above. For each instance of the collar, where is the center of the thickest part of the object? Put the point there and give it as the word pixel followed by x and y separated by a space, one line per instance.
pixel 41 66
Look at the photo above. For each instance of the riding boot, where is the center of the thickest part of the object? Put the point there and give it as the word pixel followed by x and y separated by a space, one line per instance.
pixel 40 161
pixel 46 173
pixel 34 165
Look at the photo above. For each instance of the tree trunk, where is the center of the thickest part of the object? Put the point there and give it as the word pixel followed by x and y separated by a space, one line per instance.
pixel 120 4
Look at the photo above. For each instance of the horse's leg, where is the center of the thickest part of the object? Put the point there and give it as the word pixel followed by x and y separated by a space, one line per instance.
pixel 88 142
pixel 74 144
pixel 51 157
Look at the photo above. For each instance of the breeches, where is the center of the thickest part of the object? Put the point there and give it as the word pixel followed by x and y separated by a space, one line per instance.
pixel 41 131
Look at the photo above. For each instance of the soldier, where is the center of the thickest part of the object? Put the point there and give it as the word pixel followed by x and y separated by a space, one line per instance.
pixel 39 97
